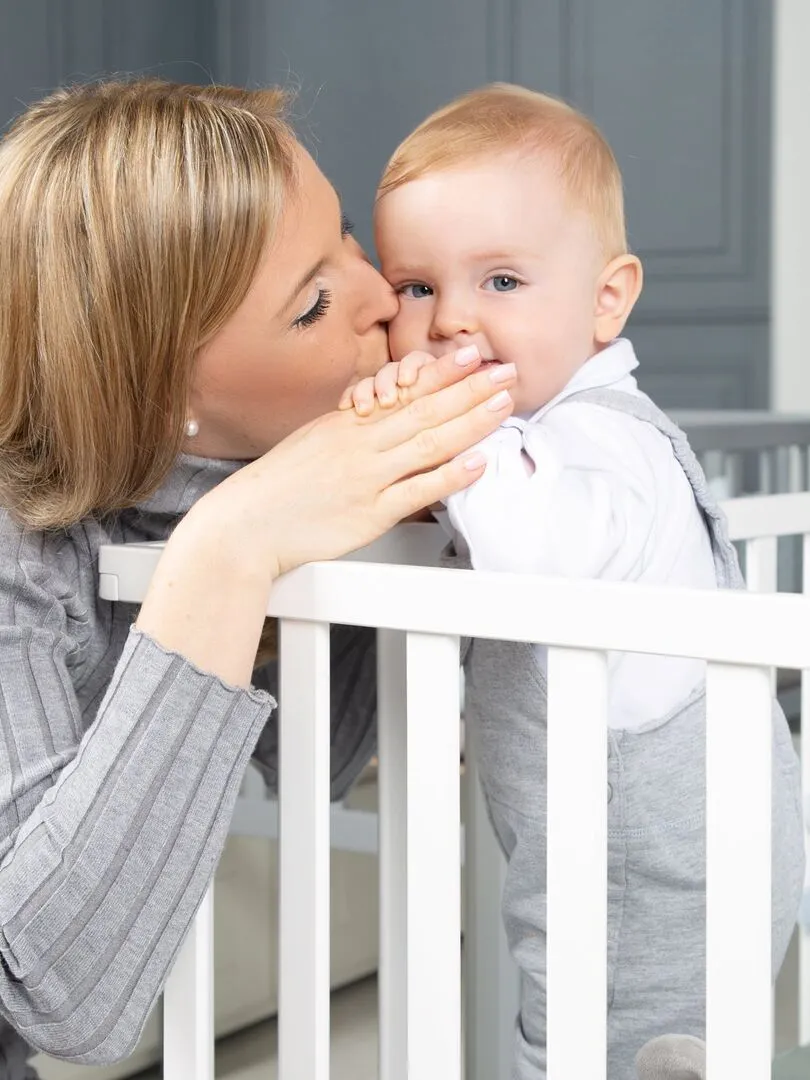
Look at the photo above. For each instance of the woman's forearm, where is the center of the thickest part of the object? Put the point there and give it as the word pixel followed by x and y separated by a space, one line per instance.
pixel 101 872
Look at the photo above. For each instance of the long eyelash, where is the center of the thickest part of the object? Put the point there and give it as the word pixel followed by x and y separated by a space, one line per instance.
pixel 319 308
pixel 346 226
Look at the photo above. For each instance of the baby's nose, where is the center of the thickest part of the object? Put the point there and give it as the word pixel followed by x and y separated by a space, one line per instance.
pixel 453 317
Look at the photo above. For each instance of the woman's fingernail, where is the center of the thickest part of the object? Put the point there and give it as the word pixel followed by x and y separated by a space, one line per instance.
pixel 500 401
pixel 474 461
pixel 467 355
pixel 502 373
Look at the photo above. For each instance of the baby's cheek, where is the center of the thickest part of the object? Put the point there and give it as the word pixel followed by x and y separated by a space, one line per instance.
pixel 402 337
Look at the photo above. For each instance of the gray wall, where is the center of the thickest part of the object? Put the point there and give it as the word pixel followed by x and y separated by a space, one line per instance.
pixel 44 43
pixel 680 87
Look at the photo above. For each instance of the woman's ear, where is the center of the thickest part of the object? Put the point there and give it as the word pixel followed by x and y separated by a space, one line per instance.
pixel 617 290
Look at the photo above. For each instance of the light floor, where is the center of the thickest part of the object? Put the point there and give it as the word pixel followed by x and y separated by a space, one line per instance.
pixel 251 1055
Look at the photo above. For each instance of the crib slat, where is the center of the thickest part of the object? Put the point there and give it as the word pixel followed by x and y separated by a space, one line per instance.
pixel 767 472
pixel 782 468
pixel 797 480
pixel 492 979
pixel 188 1002
pixel 577 864
pixel 392 742
pixel 304 871
pixel 434 853
pixel 738 846
pixel 761 563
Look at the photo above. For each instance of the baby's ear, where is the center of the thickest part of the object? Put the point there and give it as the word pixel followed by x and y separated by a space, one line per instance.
pixel 617 290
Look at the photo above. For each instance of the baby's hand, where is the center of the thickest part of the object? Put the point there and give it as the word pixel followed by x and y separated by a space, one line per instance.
pixel 384 387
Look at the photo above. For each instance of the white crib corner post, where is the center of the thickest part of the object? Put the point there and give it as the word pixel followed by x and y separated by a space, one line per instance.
pixel 188 1002
pixel 804 918
pixel 433 829
pixel 304 851
pixel 804 924
pixel 738 865
pixel 392 743
pixel 577 864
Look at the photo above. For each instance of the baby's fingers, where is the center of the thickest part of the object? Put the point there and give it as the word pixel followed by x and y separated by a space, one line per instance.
pixel 347 400
pixel 410 366
pixel 364 397
pixel 385 385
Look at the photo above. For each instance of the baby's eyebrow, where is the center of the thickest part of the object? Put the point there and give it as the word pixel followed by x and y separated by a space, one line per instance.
pixel 404 270
pixel 497 256
pixel 417 271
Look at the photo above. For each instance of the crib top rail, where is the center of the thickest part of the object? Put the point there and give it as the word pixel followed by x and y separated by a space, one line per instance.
pixel 719 626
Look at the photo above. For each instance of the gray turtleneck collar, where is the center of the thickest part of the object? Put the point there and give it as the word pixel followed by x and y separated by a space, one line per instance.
pixel 190 479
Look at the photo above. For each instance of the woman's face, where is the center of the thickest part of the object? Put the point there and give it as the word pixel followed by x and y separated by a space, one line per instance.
pixel 312 322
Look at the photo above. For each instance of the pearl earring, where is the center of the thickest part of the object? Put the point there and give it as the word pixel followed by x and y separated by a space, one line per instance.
pixel 192 428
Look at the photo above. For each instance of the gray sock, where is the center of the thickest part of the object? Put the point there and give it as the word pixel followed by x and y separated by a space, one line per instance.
pixel 672 1057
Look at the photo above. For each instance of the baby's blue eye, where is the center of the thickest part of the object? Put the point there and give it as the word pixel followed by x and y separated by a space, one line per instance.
pixel 504 283
pixel 416 291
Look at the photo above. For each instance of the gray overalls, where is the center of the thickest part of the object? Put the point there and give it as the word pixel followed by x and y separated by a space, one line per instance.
pixel 656 824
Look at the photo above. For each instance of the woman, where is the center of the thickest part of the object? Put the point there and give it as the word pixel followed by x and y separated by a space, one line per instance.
pixel 179 298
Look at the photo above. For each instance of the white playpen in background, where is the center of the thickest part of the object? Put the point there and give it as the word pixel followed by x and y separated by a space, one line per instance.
pixel 749 450
pixel 421 612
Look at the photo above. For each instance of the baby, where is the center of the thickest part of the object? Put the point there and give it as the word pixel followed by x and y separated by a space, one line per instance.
pixel 500 224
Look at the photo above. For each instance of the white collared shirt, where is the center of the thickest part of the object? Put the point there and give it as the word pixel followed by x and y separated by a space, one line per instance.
pixel 591 492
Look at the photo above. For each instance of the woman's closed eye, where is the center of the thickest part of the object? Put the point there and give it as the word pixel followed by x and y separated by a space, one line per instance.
pixel 316 311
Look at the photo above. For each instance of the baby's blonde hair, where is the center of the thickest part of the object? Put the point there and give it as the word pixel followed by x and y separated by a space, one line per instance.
pixel 133 215
pixel 502 117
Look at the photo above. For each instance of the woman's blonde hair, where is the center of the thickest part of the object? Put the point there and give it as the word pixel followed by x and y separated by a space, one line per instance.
pixel 133 215
pixel 502 117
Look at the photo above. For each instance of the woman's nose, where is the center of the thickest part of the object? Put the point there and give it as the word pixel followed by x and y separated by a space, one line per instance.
pixel 378 300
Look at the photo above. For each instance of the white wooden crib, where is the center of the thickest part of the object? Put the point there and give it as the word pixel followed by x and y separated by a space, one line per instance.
pixel 421 612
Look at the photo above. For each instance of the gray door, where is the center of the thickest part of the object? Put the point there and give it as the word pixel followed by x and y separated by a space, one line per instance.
pixel 680 87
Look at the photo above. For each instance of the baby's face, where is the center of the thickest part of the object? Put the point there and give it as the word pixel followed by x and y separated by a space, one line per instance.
pixel 491 254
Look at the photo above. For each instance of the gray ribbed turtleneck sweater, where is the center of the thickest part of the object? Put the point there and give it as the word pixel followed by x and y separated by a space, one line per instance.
pixel 119 766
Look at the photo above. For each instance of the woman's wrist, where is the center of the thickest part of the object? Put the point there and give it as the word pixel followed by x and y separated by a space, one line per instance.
pixel 208 596
pixel 234 532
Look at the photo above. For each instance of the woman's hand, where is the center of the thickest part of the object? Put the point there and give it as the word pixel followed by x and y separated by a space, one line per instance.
pixel 343 480
pixel 335 485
